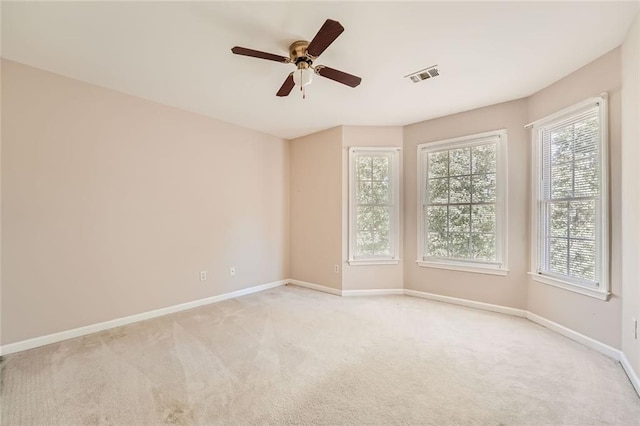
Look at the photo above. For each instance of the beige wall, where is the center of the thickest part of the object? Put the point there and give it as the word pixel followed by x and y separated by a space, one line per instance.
pixel 316 208
pixel 631 192
pixel 367 277
pixel 595 318
pixel 506 291
pixel 113 204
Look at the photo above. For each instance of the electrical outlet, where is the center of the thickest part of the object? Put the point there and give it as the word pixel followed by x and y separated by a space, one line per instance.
pixel 635 328
pixel 336 269
pixel 232 271
pixel 203 275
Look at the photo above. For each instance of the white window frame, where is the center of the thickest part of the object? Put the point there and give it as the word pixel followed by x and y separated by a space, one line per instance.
pixel 500 267
pixel 394 259
pixel 602 233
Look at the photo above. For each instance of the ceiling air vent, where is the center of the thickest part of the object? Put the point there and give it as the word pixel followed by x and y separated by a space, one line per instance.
pixel 424 74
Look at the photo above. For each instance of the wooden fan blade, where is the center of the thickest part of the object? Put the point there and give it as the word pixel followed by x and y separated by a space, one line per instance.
pixel 339 76
pixel 258 54
pixel 327 34
pixel 287 86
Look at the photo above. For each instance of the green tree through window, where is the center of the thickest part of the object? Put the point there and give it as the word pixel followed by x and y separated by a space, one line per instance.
pixel 460 207
pixel 374 205
pixel 463 211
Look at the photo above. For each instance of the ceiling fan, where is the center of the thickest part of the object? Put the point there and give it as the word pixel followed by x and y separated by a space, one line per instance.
pixel 302 54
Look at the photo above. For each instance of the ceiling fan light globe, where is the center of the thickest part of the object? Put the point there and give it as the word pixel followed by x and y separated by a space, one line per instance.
pixel 303 77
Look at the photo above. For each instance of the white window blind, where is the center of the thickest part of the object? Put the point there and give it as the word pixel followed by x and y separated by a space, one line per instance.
pixel 570 198
pixel 462 191
pixel 569 205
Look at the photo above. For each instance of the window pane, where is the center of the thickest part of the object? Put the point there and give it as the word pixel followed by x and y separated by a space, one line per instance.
pixel 586 178
pixel 365 193
pixel 381 219
pixel 483 246
pixel 483 219
pixel 374 230
pixel 459 162
pixel 436 218
pixel 561 135
pixel 562 180
pixel 558 255
pixel 373 243
pixel 561 151
pixel 380 193
pixel 380 168
pixel 583 219
pixel 459 245
pixel 363 168
pixel 483 158
pixel 364 242
pixel 372 218
pixel 484 188
pixel 436 244
pixel 381 243
pixel 559 219
pixel 460 189
pixel 582 259
pixel 459 218
pixel 587 136
pixel 364 218
pixel 439 191
pixel 438 164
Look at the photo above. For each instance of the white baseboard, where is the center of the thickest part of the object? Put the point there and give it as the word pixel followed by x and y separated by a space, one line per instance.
pixel 94 328
pixel 374 292
pixel 118 322
pixel 316 287
pixel 468 303
pixel 560 329
pixel 335 291
pixel 633 377
pixel 574 335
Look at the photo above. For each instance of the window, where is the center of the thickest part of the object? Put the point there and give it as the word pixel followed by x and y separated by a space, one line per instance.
pixel 374 207
pixel 569 209
pixel 462 219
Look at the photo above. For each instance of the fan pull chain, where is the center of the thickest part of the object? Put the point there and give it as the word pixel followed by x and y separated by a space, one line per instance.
pixel 301 85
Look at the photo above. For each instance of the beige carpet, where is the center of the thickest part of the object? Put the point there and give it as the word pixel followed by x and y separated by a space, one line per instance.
pixel 295 356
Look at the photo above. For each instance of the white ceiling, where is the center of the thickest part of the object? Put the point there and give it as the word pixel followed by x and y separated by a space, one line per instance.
pixel 179 54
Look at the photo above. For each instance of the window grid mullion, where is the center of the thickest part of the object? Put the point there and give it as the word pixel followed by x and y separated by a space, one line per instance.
pixel 568 239
pixel 573 160
pixel 448 202
pixel 483 203
pixel 470 199
pixel 564 199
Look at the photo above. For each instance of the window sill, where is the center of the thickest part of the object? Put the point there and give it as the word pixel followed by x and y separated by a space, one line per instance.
pixel 585 291
pixel 365 262
pixel 477 269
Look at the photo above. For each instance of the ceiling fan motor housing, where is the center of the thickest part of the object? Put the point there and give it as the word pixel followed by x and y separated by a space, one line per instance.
pixel 298 54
